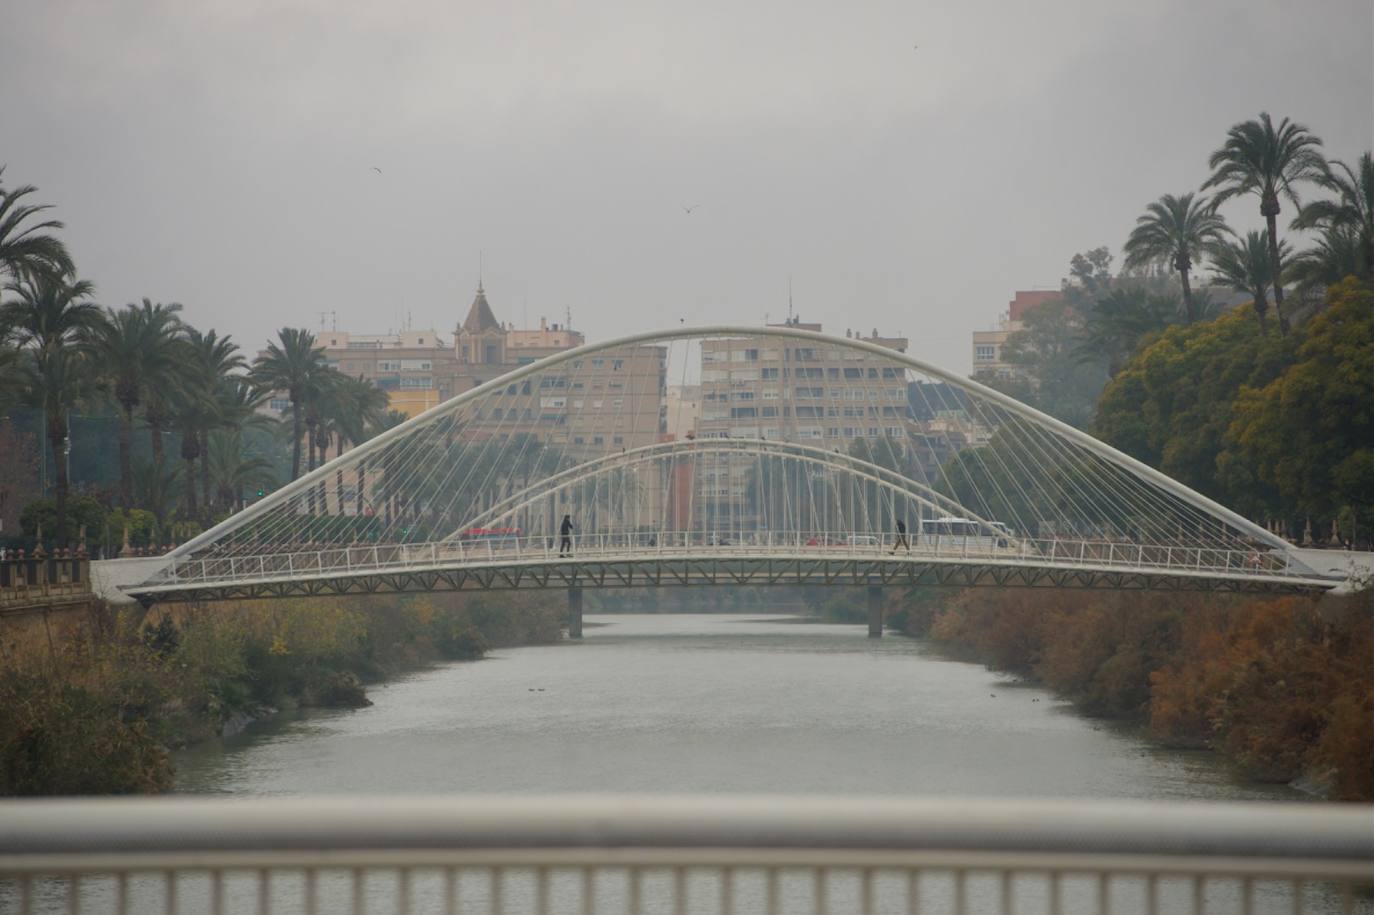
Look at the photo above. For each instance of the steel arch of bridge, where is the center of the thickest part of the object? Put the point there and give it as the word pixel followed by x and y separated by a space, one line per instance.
pixel 197 568
pixel 838 462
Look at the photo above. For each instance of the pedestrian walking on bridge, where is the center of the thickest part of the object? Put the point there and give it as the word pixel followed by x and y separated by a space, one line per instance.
pixel 565 536
pixel 901 538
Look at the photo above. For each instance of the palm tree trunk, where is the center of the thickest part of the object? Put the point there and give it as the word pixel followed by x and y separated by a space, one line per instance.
pixel 362 484
pixel 1271 220
pixel 338 476
pixel 191 510
pixel 295 440
pixel 1188 307
pixel 208 503
pixel 57 437
pixel 126 475
pixel 155 434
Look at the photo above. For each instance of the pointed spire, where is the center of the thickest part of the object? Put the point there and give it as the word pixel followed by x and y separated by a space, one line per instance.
pixel 480 318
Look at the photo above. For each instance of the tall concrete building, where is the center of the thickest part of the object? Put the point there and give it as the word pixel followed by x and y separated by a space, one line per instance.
pixel 791 390
pixel 788 390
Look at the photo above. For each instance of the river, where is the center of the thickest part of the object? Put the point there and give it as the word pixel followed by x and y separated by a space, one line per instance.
pixel 714 703
pixel 699 703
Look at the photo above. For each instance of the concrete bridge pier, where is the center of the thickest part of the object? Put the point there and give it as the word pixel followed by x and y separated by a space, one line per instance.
pixel 574 613
pixel 875 611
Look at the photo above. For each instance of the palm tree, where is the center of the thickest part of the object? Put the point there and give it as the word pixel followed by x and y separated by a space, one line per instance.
pixel 1120 320
pixel 199 406
pixel 1175 231
pixel 1338 252
pixel 1351 213
pixel 293 367
pixel 383 420
pixel 11 374
pixel 237 400
pixel 164 371
pixel 26 249
pixel 218 360
pixel 232 468
pixel 359 406
pixel 155 488
pixel 48 317
pixel 321 406
pixel 1266 161
pixel 1245 267
pixel 136 349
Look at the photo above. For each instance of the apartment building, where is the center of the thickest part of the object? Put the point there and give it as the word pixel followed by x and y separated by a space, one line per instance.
pixel 793 391
pixel 988 344
pixel 796 391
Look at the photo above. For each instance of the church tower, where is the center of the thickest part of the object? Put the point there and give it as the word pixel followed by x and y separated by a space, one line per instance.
pixel 480 339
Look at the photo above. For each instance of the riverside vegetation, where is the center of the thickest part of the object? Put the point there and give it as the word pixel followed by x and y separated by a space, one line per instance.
pixel 1283 686
pixel 90 706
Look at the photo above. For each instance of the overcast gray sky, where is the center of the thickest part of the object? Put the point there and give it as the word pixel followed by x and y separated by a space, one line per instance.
pixel 221 154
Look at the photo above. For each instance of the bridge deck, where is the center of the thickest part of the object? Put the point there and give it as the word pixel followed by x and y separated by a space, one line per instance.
pixel 615 563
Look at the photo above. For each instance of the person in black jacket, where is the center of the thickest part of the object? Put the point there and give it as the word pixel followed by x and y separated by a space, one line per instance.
pixel 565 536
pixel 901 537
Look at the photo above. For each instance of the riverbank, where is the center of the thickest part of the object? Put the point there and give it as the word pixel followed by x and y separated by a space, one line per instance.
pixel 1282 686
pixel 90 704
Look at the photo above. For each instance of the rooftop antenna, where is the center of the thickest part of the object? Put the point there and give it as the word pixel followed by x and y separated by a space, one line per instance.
pixel 789 300
pixel 333 314
pixel 479 269
pixel 567 316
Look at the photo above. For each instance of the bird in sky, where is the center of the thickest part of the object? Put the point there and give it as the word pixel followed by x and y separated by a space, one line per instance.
pixel 688 210
pixel 376 169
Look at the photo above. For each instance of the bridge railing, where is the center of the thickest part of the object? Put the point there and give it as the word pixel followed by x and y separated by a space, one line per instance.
pixel 306 560
pixel 602 854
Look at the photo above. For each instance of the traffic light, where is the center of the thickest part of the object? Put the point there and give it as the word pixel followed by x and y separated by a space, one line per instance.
pixel 261 492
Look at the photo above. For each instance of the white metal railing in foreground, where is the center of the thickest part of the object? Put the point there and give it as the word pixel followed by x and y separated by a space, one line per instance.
pixel 718 854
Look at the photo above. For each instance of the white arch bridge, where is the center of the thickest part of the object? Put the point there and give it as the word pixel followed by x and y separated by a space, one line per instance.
pixel 728 455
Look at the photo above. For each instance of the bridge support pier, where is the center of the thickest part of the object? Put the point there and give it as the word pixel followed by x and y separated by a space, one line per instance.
pixel 574 613
pixel 875 611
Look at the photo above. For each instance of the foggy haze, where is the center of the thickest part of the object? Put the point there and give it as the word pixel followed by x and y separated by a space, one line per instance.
pixel 908 165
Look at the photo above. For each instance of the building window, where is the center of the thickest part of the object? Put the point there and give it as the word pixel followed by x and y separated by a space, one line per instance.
pixel 280 404
pixel 769 374
pixel 617 440
pixel 985 352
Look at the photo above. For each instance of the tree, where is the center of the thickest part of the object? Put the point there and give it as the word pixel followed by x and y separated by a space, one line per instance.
pixel 1245 267
pixel 359 406
pixel 1172 402
pixel 48 316
pixel 293 367
pixel 1347 222
pixel 135 348
pixel 1309 433
pixel 163 372
pixel 1120 321
pixel 25 246
pixel 237 402
pixel 1045 349
pixel 1175 231
pixel 199 406
pixel 233 468
pixel 1258 158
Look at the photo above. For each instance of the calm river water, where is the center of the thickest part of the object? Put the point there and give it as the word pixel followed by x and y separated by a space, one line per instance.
pixel 698 703
pixel 661 703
